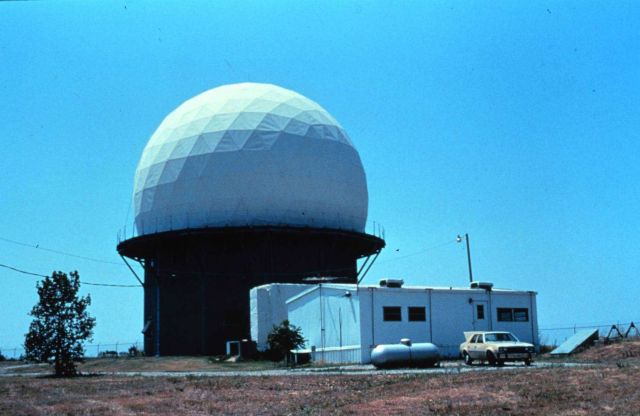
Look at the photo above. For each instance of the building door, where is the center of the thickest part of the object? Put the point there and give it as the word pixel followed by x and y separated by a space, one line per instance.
pixel 480 315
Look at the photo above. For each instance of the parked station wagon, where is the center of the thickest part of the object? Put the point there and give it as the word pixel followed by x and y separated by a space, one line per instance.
pixel 495 347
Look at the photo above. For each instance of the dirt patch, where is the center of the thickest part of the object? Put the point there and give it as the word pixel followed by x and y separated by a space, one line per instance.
pixel 623 350
pixel 623 353
pixel 571 391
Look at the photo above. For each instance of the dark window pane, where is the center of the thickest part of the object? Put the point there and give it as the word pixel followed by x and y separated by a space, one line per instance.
pixel 417 313
pixel 521 315
pixel 480 311
pixel 392 313
pixel 505 314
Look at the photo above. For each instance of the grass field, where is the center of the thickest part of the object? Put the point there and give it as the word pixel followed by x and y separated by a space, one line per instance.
pixel 610 387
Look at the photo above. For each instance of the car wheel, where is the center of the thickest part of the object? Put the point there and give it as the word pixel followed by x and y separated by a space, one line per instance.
pixel 467 358
pixel 491 358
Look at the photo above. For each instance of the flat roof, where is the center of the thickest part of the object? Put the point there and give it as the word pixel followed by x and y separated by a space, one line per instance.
pixel 354 288
pixel 351 286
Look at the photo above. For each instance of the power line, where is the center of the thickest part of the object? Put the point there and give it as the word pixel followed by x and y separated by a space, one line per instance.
pixel 64 253
pixel 82 282
pixel 22 271
pixel 108 284
pixel 418 252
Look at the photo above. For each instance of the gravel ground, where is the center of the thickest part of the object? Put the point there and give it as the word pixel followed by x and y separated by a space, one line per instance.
pixel 448 367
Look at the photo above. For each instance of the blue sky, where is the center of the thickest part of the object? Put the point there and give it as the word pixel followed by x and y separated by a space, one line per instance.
pixel 515 122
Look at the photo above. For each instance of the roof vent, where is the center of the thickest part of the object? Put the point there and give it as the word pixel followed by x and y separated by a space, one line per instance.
pixel 482 285
pixel 391 283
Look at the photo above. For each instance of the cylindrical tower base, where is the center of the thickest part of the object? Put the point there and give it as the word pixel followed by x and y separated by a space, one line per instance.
pixel 197 282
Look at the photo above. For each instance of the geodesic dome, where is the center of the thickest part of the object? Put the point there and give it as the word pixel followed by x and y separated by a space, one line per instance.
pixel 249 155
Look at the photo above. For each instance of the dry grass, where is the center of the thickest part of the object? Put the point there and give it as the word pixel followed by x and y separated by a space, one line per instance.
pixel 620 351
pixel 626 352
pixel 141 364
pixel 568 391
pixel 145 364
pixel 611 388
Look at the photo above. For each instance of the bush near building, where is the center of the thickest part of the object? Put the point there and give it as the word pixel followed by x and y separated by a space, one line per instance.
pixel 282 339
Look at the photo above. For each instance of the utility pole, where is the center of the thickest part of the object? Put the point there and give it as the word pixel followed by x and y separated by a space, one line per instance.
pixel 459 239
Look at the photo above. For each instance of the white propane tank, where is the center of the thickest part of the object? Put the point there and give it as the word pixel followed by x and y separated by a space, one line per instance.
pixel 405 354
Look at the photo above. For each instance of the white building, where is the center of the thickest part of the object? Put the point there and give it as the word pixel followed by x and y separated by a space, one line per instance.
pixel 344 322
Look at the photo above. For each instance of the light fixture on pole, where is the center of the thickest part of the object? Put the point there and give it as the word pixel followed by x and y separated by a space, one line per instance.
pixel 459 240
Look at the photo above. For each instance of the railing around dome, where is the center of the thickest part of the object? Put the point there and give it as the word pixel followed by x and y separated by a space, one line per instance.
pixel 188 221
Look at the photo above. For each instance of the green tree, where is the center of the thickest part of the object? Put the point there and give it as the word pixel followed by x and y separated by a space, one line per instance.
pixel 284 338
pixel 61 324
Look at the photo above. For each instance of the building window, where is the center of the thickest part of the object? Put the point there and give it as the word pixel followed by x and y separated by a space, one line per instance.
pixel 480 312
pixel 513 314
pixel 417 314
pixel 392 313
pixel 505 314
pixel 521 315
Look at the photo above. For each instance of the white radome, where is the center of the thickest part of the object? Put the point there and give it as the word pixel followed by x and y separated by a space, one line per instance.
pixel 249 155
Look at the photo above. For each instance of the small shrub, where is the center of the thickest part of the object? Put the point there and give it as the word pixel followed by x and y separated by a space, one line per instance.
pixel 2 357
pixel 134 351
pixel 282 339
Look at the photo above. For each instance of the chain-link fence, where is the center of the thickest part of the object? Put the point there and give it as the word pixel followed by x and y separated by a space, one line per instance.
pixel 116 349
pixel 557 335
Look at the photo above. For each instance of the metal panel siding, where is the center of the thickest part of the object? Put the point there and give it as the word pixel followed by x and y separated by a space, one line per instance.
pixel 341 318
pixel 525 331
pixel 305 312
pixel 348 354
pixel 365 296
pixel 392 332
pixel 452 314
pixel 328 318
pixel 268 308
pixel 534 320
